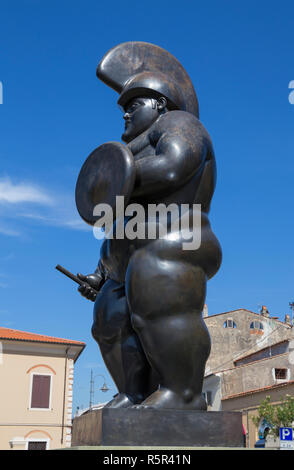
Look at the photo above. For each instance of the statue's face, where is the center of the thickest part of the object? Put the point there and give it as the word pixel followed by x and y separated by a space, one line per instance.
pixel 140 114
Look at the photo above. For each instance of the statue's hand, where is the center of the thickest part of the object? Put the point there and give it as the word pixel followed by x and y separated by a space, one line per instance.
pixel 91 286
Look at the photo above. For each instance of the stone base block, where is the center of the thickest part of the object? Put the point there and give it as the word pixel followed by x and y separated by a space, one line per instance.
pixel 131 427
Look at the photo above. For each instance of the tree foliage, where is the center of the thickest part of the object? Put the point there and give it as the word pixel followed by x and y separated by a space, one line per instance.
pixel 277 416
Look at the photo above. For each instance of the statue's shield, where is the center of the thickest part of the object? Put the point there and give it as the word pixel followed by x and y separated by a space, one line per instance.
pixel 109 171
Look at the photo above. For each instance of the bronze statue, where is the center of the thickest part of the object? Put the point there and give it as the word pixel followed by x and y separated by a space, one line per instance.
pixel 148 312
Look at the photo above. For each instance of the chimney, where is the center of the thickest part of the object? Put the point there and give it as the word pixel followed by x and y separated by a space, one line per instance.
pixel 264 311
pixel 205 311
pixel 287 319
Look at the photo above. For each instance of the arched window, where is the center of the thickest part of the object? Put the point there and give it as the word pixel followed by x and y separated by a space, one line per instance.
pixel 256 326
pixel 229 323
pixel 38 440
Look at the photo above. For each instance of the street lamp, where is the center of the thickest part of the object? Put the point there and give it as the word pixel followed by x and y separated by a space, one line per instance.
pixel 103 389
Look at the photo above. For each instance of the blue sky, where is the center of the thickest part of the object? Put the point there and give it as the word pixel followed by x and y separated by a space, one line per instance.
pixel 239 56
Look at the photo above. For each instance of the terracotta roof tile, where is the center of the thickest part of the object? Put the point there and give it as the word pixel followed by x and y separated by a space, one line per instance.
pixel 7 333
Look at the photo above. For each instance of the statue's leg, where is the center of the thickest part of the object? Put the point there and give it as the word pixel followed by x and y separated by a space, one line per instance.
pixel 120 346
pixel 166 298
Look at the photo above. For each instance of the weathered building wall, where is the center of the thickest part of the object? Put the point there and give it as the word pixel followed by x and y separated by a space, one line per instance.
pixel 228 344
pixel 256 375
pixel 274 350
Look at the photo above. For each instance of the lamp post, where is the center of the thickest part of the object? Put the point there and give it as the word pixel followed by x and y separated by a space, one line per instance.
pixel 103 389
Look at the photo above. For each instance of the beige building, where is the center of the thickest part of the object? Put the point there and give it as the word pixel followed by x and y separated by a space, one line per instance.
pixel 36 383
pixel 252 356
pixel 248 403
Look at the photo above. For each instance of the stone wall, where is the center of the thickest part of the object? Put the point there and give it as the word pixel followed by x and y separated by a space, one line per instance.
pixel 229 344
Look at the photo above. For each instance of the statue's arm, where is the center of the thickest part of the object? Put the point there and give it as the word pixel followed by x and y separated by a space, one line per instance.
pixel 177 158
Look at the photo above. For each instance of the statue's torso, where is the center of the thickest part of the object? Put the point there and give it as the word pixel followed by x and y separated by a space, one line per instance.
pixel 115 253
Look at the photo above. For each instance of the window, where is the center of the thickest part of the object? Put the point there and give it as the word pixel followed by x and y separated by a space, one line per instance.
pixel 281 374
pixel 256 327
pixel 40 393
pixel 230 324
pixel 37 445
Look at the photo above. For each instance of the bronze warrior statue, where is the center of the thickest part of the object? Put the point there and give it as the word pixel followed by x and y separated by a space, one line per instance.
pixel 148 312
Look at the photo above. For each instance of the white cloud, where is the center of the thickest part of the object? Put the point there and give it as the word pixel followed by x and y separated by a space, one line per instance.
pixel 15 193
pixel 62 220
pixel 18 202
pixel 9 231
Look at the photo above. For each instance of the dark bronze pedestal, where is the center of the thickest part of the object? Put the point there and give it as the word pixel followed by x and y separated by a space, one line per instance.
pixel 132 427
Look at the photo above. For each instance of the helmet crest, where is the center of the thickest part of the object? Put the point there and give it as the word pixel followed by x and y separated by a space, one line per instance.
pixel 133 68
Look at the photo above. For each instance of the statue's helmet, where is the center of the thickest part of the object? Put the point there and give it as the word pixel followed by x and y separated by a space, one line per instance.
pixel 153 85
pixel 141 69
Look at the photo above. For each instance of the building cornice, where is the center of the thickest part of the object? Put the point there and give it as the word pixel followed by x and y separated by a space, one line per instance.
pixel 42 348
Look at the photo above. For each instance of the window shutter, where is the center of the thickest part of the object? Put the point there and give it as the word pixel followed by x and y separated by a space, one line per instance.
pixel 40 391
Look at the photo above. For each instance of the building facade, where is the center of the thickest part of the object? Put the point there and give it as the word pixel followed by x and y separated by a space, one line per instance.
pixel 252 356
pixel 36 383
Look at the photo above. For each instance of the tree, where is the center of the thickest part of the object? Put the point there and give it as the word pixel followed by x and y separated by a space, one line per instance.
pixel 276 415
